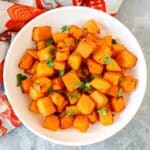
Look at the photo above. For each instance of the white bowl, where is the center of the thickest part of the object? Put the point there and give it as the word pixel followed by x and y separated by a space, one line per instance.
pixel 57 18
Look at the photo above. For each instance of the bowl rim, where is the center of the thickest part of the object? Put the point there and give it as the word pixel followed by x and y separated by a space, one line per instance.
pixel 59 141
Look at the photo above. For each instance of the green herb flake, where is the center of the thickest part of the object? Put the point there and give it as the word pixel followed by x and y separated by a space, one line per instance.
pixel 70 113
pixel 107 60
pixel 50 63
pixel 20 78
pixel 114 41
pixel 79 84
pixel 102 111
pixel 50 91
pixel 61 73
pixel 120 80
pixel 49 42
pixel 52 51
pixel 74 95
pixel 120 91
pixel 64 28
pixel 87 86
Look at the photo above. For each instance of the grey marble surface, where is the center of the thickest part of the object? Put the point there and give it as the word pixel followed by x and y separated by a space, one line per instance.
pixel 135 14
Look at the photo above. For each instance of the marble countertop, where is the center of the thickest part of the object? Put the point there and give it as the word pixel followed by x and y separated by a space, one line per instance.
pixel 135 14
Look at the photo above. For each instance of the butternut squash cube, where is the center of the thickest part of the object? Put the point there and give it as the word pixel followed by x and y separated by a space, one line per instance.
pixel 40 45
pixel 33 53
pixel 59 36
pixel 100 84
pixel 113 66
pixel 57 84
pixel 33 107
pixel 73 109
pixel 32 70
pixel 51 122
pixel 45 106
pixel 41 33
pixel 113 91
pixel 25 85
pixel 116 48
pixel 70 79
pixel 75 61
pixel 66 122
pixel 85 104
pixel 93 118
pixel 73 97
pixel 62 56
pixel 59 65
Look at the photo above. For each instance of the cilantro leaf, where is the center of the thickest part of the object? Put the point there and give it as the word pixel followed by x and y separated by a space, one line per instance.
pixel 87 86
pixel 20 78
pixel 120 91
pixel 50 63
pixel 49 42
pixel 61 73
pixel 114 41
pixel 107 60
pixel 74 95
pixel 52 51
pixel 70 113
pixel 50 91
pixel 64 28
pixel 102 111
pixel 79 84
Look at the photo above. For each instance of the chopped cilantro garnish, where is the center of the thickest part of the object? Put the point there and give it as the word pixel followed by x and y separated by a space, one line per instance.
pixel 74 95
pixel 64 28
pixel 79 84
pixel 50 63
pixel 114 41
pixel 20 78
pixel 102 111
pixel 87 86
pixel 120 91
pixel 49 42
pixel 50 91
pixel 52 51
pixel 107 60
pixel 61 73
pixel 70 113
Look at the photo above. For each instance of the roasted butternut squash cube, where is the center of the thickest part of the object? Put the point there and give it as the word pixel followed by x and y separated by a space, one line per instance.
pixel 41 33
pixel 76 32
pixel 63 106
pixel 59 36
pixel 113 66
pixel 51 122
pixel 73 97
pixel 44 83
pixel 59 65
pixel 85 47
pixel 101 54
pixel 57 84
pixel 93 118
pixel 116 48
pixel 57 99
pixel 126 59
pixel 70 79
pixel 62 47
pixel 99 98
pixel 100 84
pixel 94 67
pixel 108 40
pixel 33 107
pixel 128 83
pixel 25 85
pixel 117 104
pixel 40 45
pixel 43 70
pixel 113 91
pixel 106 118
pixel 112 77
pixel 62 56
pixel 26 61
pixel 32 70
pixel 73 109
pixel 70 42
pixel 75 61
pixel 35 92
pixel 45 53
pixel 91 26
pixel 85 104
pixel 81 123
pixel 33 53
pixel 45 106
pixel 66 122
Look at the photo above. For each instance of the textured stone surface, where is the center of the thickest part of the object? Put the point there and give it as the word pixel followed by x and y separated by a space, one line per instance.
pixel 135 14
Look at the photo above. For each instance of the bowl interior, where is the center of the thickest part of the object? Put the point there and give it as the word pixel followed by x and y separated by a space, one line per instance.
pixel 57 18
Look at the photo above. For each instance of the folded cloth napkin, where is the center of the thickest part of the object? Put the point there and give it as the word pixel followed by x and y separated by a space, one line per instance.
pixel 13 16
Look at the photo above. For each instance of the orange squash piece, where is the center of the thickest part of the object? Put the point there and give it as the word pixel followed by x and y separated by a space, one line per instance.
pixel 93 118
pixel 25 85
pixel 66 122
pixel 57 84
pixel 33 107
